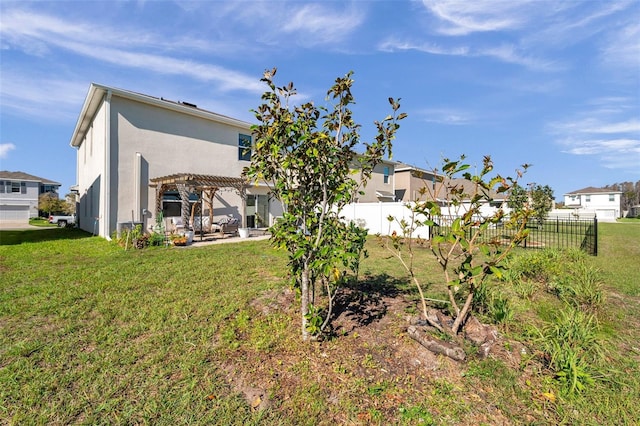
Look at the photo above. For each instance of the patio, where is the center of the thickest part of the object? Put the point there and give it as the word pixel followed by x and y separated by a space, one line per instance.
pixel 191 214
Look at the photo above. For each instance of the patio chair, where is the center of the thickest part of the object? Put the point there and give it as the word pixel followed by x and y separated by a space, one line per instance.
pixel 178 224
pixel 228 225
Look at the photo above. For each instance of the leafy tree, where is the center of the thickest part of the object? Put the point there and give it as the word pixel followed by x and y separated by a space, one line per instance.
pixel 539 199
pixel 307 156
pixel 466 253
pixel 49 203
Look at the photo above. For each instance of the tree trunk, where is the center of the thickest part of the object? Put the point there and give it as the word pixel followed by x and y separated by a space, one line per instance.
pixel 304 300
pixel 462 315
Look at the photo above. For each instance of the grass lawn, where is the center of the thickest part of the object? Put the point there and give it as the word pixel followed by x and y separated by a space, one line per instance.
pixel 93 334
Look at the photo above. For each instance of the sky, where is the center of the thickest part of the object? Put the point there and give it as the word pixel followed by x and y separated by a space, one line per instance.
pixel 554 84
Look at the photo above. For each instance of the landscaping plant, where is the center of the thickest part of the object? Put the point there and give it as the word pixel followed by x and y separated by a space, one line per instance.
pixel 306 154
pixel 465 255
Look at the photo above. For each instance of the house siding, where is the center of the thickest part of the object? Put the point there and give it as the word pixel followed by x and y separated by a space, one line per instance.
pixel 151 142
pixel 92 190
pixel 597 203
pixel 18 207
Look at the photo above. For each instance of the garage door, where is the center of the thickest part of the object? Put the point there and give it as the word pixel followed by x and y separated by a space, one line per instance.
pixel 14 214
pixel 606 215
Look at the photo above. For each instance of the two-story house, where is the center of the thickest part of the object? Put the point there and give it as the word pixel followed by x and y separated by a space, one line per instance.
pixel 416 184
pixel 602 202
pixel 139 155
pixel 19 194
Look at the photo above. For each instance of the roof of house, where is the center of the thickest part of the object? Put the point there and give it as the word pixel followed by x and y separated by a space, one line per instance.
pixel 97 93
pixel 591 190
pixel 4 174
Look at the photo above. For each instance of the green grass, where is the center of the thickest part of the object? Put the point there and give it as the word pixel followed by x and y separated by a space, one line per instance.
pixel 41 222
pixel 94 334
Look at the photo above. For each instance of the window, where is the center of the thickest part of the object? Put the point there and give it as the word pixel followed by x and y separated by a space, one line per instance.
pixel 23 187
pixel 587 198
pixel 386 175
pixel 15 186
pixel 612 197
pixel 1 187
pixel 244 147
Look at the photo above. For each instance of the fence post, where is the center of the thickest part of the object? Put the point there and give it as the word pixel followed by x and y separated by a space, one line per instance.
pixel 595 235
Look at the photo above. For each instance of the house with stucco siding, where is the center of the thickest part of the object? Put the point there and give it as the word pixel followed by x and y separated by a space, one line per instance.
pixel 19 193
pixel 129 145
pixel 604 203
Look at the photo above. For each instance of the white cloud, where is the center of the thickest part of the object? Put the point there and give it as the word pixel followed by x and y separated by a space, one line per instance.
pixel 610 133
pixel 121 48
pixel 319 25
pixel 5 148
pixel 510 54
pixel 622 49
pixel 597 126
pixel 42 96
pixel 448 116
pixel 465 17
pixel 599 146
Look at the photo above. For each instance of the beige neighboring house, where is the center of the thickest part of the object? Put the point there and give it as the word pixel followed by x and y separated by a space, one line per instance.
pixel 19 194
pixel 410 180
pixel 133 150
pixel 382 185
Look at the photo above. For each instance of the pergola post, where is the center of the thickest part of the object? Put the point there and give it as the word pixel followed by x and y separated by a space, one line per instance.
pixel 185 211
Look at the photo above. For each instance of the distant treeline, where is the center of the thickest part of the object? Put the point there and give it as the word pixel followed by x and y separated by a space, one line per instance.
pixel 630 193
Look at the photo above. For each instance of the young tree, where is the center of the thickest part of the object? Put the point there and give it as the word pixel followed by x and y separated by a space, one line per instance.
pixel 538 199
pixel 307 156
pixel 466 253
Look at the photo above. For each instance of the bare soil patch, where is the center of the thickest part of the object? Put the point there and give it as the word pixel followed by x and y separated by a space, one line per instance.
pixel 367 354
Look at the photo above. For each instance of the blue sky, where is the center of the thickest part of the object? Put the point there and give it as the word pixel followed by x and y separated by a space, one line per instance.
pixel 552 83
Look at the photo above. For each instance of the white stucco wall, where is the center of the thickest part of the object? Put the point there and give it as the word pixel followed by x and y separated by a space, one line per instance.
pixel 150 142
pixel 90 173
pixel 598 203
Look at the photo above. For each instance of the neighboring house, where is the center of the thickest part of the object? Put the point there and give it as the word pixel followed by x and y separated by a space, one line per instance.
pixel 381 187
pixel 411 180
pixel 19 194
pixel 416 184
pixel 604 203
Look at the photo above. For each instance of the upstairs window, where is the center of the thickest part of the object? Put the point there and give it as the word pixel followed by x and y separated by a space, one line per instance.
pixel 386 175
pixel 15 186
pixel 587 198
pixel 612 197
pixel 244 147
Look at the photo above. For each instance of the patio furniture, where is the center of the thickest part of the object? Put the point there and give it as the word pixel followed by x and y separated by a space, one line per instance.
pixel 227 225
pixel 178 225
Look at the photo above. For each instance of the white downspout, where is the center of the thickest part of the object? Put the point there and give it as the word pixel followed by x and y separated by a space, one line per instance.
pixel 137 176
pixel 106 188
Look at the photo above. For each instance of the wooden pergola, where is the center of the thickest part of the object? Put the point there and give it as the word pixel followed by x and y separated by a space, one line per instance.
pixel 205 186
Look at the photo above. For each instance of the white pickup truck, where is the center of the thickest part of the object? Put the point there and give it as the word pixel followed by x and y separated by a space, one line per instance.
pixel 63 221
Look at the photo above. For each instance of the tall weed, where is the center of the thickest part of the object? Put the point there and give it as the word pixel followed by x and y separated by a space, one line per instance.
pixel 573 349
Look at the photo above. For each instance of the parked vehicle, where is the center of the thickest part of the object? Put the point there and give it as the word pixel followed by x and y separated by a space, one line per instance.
pixel 63 221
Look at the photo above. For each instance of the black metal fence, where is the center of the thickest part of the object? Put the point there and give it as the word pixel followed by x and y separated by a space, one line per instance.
pixel 558 232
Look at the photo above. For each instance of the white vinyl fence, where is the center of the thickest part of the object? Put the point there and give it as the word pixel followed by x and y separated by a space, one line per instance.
pixel 373 217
